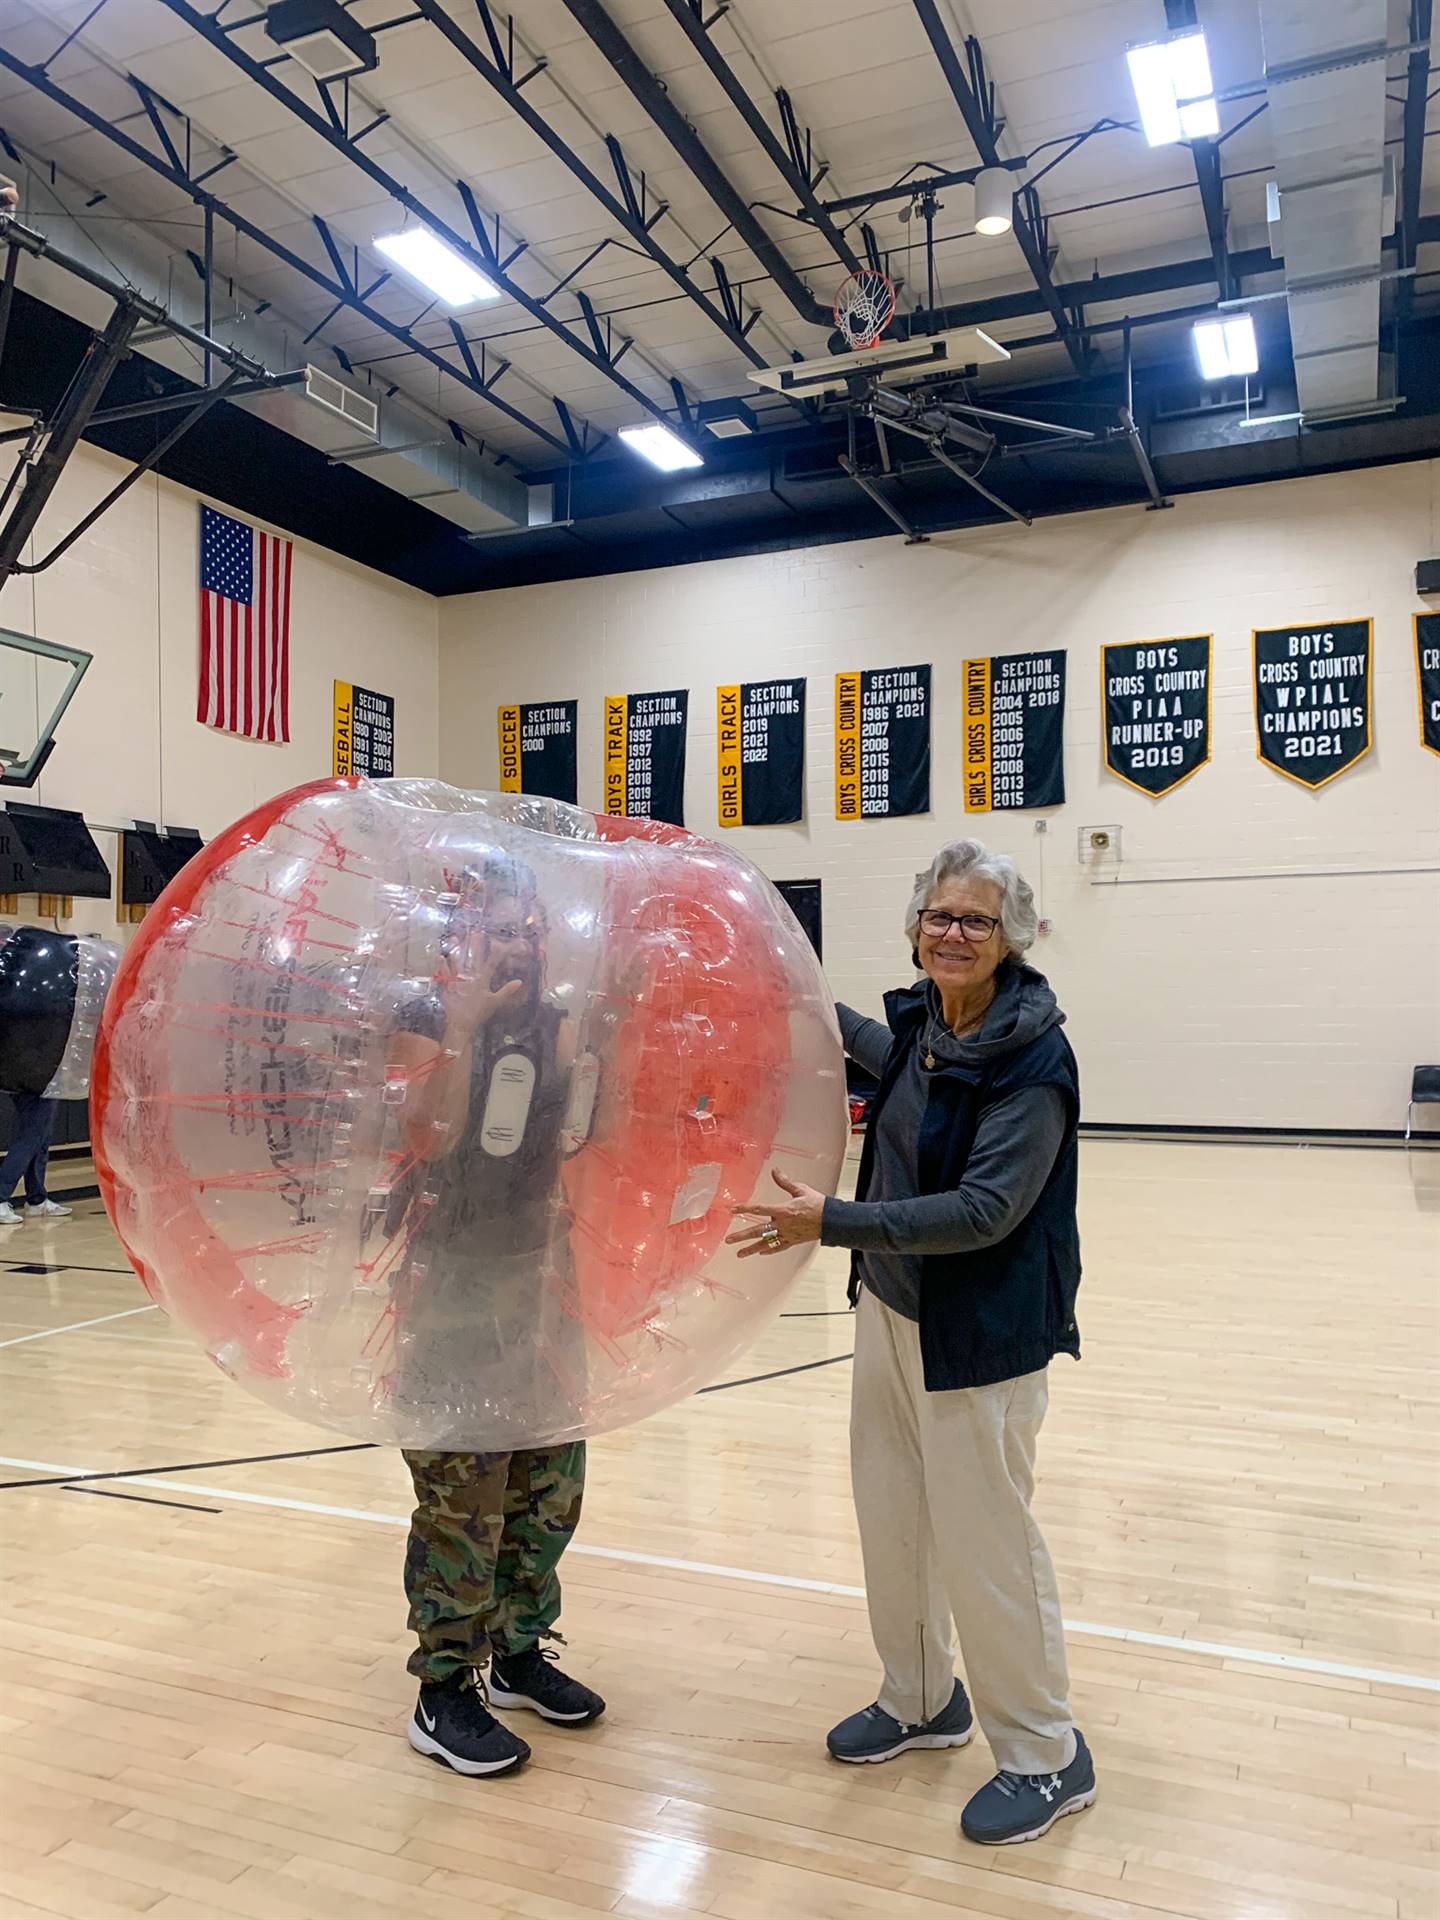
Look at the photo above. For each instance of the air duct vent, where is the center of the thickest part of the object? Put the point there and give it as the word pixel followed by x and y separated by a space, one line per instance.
pixel 326 391
pixel 322 36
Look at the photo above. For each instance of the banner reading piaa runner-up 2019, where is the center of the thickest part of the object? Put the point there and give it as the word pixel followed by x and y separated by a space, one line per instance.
pixel 1014 731
pixel 1312 698
pixel 1155 697
pixel 537 749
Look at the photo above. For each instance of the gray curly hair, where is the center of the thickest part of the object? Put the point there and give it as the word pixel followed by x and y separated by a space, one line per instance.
pixel 959 859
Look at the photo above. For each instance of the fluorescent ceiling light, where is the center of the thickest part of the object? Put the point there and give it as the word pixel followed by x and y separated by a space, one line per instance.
pixel 1226 347
pixel 436 267
pixel 1173 88
pixel 661 447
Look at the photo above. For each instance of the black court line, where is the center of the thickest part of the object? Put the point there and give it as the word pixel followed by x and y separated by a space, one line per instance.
pixel 809 1366
pixel 148 1499
pixel 56 1266
pixel 824 1313
pixel 189 1466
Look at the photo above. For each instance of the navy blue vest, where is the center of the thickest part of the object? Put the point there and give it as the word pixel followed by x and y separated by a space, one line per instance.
pixel 1006 1309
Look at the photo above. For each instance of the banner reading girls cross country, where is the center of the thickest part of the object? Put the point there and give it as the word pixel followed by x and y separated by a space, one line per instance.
pixel 1312 698
pixel 645 755
pixel 1427 677
pixel 1156 702
pixel 537 749
pixel 761 753
pixel 882 742
pixel 1015 731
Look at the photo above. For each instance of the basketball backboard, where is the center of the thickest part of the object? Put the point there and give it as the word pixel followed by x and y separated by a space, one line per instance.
pixel 894 362
pixel 37 681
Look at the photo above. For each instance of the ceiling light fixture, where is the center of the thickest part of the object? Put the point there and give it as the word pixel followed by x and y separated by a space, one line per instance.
pixel 435 266
pixel 661 447
pixel 1226 347
pixel 994 195
pixel 1173 87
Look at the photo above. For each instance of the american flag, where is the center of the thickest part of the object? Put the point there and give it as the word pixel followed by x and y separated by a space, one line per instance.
pixel 244 629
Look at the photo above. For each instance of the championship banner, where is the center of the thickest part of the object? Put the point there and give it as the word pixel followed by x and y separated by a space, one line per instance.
pixel 364 740
pixel 1156 702
pixel 882 742
pixel 1427 677
pixel 537 750
pixel 1015 731
pixel 761 753
pixel 645 755
pixel 1312 699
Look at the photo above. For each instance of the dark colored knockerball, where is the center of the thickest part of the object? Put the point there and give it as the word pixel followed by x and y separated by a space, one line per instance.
pixel 39 973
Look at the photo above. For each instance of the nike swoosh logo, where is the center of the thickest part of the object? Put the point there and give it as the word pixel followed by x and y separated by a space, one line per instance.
pixel 426 1721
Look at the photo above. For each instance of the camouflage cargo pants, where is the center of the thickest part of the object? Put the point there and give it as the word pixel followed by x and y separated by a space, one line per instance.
pixel 485 1542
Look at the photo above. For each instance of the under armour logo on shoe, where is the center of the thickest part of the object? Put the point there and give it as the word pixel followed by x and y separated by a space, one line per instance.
pixel 1049 1788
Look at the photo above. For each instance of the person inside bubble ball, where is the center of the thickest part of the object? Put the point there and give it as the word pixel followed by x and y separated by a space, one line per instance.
pixel 964 1270
pixel 488 1529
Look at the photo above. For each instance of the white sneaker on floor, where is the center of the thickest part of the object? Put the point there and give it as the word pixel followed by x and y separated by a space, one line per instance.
pixel 47 1210
pixel 8 1216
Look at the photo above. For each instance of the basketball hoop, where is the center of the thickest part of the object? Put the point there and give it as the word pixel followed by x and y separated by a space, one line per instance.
pixel 864 307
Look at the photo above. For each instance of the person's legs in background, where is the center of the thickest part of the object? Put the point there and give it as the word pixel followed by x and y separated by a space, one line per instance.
pixel 34 1122
pixel 36 1195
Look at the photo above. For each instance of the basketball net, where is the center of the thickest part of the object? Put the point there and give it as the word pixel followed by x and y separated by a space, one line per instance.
pixel 864 307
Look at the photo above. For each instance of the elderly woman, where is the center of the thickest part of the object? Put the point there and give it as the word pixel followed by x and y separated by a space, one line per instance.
pixel 965 1266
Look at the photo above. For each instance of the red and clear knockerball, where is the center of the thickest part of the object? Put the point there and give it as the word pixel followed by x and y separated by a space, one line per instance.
pixel 426 1111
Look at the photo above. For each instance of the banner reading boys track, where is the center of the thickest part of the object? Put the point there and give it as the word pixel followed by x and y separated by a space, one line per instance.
pixel 1312 698
pixel 1427 676
pixel 761 753
pixel 1015 731
pixel 882 742
pixel 537 749
pixel 364 739
pixel 1156 701
pixel 645 755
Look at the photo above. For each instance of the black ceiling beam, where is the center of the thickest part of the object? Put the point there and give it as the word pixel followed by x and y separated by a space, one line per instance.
pixel 1029 232
pixel 485 262
pixel 697 33
pixel 638 230
pixel 597 25
pixel 41 81
pixel 1412 145
pixel 1206 155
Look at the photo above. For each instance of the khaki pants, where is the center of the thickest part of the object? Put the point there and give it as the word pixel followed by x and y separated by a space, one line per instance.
pixel 942 1491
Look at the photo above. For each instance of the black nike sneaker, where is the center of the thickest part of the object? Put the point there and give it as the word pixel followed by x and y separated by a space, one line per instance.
pixel 533 1680
pixel 451 1723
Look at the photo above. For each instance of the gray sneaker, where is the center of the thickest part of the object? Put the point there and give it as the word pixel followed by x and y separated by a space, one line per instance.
pixel 872 1734
pixel 1023 1806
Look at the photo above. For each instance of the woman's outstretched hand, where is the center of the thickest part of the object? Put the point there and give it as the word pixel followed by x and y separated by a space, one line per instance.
pixel 789 1223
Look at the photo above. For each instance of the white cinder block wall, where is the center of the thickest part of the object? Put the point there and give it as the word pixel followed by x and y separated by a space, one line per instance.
pixel 1268 960
pixel 130 747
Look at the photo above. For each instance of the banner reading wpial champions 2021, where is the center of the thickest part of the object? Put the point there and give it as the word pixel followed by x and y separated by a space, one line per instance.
pixel 1427 677
pixel 537 749
pixel 1014 731
pixel 645 755
pixel 1312 698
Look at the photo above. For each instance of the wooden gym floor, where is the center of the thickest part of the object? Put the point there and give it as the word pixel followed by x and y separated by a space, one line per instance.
pixel 204 1692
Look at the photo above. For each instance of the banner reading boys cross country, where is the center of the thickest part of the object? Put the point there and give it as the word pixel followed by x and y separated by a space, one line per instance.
pixel 761 753
pixel 645 755
pixel 1427 677
pixel 1015 731
pixel 1312 698
pixel 1156 701
pixel 537 749
pixel 882 742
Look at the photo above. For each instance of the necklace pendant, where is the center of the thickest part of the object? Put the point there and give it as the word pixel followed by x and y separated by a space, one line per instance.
pixel 930 1060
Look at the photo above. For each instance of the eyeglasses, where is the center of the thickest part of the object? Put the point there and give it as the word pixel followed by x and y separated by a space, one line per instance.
pixel 976 927
pixel 508 930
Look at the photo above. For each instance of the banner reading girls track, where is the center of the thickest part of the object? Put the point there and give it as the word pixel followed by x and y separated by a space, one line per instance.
pixel 1427 677
pixel 761 753
pixel 537 749
pixel 645 755
pixel 1015 731
pixel 882 742
pixel 1312 698
pixel 1156 702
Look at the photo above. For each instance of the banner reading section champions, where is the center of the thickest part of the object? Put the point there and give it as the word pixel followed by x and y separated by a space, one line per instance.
pixel 645 755
pixel 364 739
pixel 761 753
pixel 537 749
pixel 1156 702
pixel 1015 731
pixel 882 742
pixel 1312 699
pixel 1427 677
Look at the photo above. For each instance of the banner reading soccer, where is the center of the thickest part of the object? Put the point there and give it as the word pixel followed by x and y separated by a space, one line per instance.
pixel 1312 699
pixel 1015 731
pixel 761 753
pixel 1156 702
pixel 537 749
pixel 1427 677
pixel 882 742
pixel 645 755
pixel 364 736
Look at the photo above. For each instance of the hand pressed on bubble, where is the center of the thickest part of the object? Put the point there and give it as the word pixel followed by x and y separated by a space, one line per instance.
pixel 789 1223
